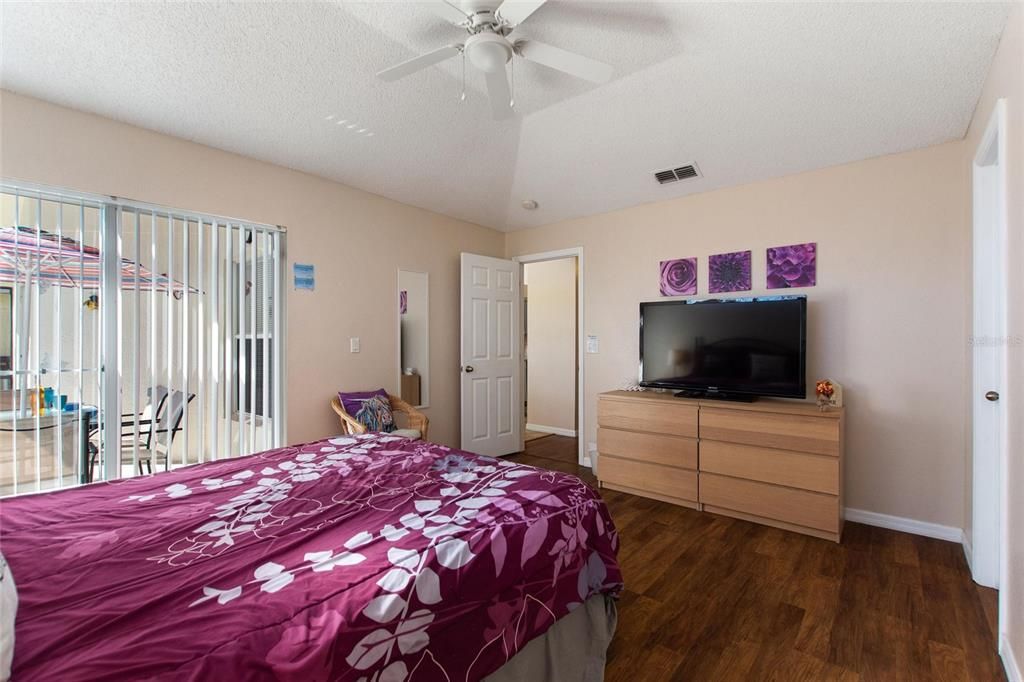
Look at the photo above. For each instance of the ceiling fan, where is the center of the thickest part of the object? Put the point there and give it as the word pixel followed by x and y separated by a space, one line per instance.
pixel 489 49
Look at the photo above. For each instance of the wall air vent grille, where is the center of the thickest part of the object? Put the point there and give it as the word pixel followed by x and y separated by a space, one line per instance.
pixel 674 175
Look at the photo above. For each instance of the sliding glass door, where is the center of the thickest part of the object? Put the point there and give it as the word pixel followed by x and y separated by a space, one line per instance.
pixel 141 339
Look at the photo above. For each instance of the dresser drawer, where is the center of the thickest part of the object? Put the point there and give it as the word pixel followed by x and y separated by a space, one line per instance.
pixel 644 477
pixel 800 507
pixel 676 451
pixel 638 415
pixel 771 430
pixel 795 469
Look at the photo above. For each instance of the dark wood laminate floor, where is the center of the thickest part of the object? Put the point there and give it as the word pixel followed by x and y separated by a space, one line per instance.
pixel 712 598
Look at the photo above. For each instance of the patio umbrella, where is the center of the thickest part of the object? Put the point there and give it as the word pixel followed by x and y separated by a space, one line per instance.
pixel 62 261
pixel 28 254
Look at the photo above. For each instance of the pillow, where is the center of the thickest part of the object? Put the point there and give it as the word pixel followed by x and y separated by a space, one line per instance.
pixel 8 610
pixel 372 409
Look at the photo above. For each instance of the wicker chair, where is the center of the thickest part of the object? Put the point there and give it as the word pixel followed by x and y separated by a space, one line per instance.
pixel 416 420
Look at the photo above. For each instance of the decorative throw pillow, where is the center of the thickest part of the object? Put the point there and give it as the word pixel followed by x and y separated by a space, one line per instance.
pixel 8 610
pixel 352 402
pixel 372 409
pixel 375 415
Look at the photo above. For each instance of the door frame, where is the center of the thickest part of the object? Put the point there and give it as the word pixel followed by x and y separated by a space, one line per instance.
pixel 576 252
pixel 993 488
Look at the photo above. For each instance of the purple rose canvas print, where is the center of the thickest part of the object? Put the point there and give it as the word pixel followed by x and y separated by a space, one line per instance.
pixel 679 277
pixel 403 302
pixel 729 272
pixel 793 266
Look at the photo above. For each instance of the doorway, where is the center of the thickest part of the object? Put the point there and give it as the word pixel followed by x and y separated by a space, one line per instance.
pixel 552 360
pixel 986 536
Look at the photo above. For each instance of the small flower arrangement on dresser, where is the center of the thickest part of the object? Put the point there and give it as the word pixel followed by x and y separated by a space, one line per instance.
pixel 829 393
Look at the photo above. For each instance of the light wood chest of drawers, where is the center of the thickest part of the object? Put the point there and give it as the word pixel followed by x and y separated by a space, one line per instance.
pixel 774 462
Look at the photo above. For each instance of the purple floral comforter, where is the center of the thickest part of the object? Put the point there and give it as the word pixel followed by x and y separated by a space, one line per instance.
pixel 367 558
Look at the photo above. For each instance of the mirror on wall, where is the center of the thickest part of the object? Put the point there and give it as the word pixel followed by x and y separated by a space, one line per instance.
pixel 413 340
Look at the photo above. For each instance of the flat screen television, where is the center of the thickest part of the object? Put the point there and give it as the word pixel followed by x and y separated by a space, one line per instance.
pixel 728 348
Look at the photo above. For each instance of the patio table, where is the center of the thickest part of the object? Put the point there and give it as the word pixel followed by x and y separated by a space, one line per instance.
pixel 18 433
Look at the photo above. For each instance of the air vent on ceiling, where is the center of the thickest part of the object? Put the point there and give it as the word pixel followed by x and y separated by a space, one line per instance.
pixel 675 174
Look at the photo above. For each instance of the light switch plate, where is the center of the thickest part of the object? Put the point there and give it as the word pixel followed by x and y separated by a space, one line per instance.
pixel 353 344
pixel 592 344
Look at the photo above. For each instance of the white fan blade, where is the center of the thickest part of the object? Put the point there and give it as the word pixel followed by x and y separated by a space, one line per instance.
pixel 516 12
pixel 499 92
pixel 448 12
pixel 563 60
pixel 416 63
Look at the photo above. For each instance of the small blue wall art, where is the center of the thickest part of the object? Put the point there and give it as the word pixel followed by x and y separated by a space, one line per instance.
pixel 304 278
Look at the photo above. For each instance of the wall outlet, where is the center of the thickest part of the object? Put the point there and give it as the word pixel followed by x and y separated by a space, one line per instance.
pixel 353 344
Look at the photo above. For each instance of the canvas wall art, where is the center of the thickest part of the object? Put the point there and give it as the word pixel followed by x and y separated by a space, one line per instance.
pixel 793 266
pixel 403 302
pixel 729 272
pixel 304 277
pixel 679 277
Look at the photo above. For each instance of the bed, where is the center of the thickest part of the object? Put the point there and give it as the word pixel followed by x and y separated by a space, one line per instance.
pixel 365 558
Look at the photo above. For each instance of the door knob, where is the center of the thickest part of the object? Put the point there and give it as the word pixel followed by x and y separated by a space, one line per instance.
pixel 992 396
pixel 468 369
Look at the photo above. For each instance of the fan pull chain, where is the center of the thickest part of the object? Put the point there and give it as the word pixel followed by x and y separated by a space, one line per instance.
pixel 512 92
pixel 462 98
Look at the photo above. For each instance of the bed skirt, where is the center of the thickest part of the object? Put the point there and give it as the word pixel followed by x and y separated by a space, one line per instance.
pixel 572 650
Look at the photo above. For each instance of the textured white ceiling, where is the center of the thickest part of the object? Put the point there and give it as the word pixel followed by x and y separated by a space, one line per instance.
pixel 747 91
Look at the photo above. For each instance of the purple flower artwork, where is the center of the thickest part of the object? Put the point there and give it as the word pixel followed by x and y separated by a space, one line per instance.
pixel 679 277
pixel 793 266
pixel 403 302
pixel 729 272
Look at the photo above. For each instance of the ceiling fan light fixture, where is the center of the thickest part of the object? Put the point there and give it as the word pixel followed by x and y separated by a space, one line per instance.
pixel 488 52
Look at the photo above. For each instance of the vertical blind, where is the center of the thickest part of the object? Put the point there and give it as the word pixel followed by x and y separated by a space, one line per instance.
pixel 137 338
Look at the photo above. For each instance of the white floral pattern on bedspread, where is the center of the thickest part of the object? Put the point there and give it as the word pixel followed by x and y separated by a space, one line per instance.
pixel 368 558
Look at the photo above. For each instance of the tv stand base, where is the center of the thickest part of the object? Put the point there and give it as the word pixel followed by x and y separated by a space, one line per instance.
pixel 715 395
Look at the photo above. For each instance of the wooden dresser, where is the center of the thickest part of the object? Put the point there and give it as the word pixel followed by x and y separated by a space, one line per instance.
pixel 774 462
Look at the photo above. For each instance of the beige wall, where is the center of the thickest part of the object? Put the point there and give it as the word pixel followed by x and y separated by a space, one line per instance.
pixel 1006 79
pixel 551 343
pixel 356 240
pixel 888 318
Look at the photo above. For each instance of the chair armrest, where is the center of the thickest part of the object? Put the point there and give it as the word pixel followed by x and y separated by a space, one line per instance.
pixel 131 422
pixel 349 424
pixel 417 420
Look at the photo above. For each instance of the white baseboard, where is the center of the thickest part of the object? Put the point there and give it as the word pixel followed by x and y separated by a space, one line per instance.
pixel 557 430
pixel 929 530
pixel 1010 663
pixel 968 552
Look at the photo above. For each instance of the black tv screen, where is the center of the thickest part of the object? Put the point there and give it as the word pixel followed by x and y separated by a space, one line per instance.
pixel 746 346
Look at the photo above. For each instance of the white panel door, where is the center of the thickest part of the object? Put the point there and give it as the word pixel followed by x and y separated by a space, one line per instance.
pixel 989 343
pixel 490 360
